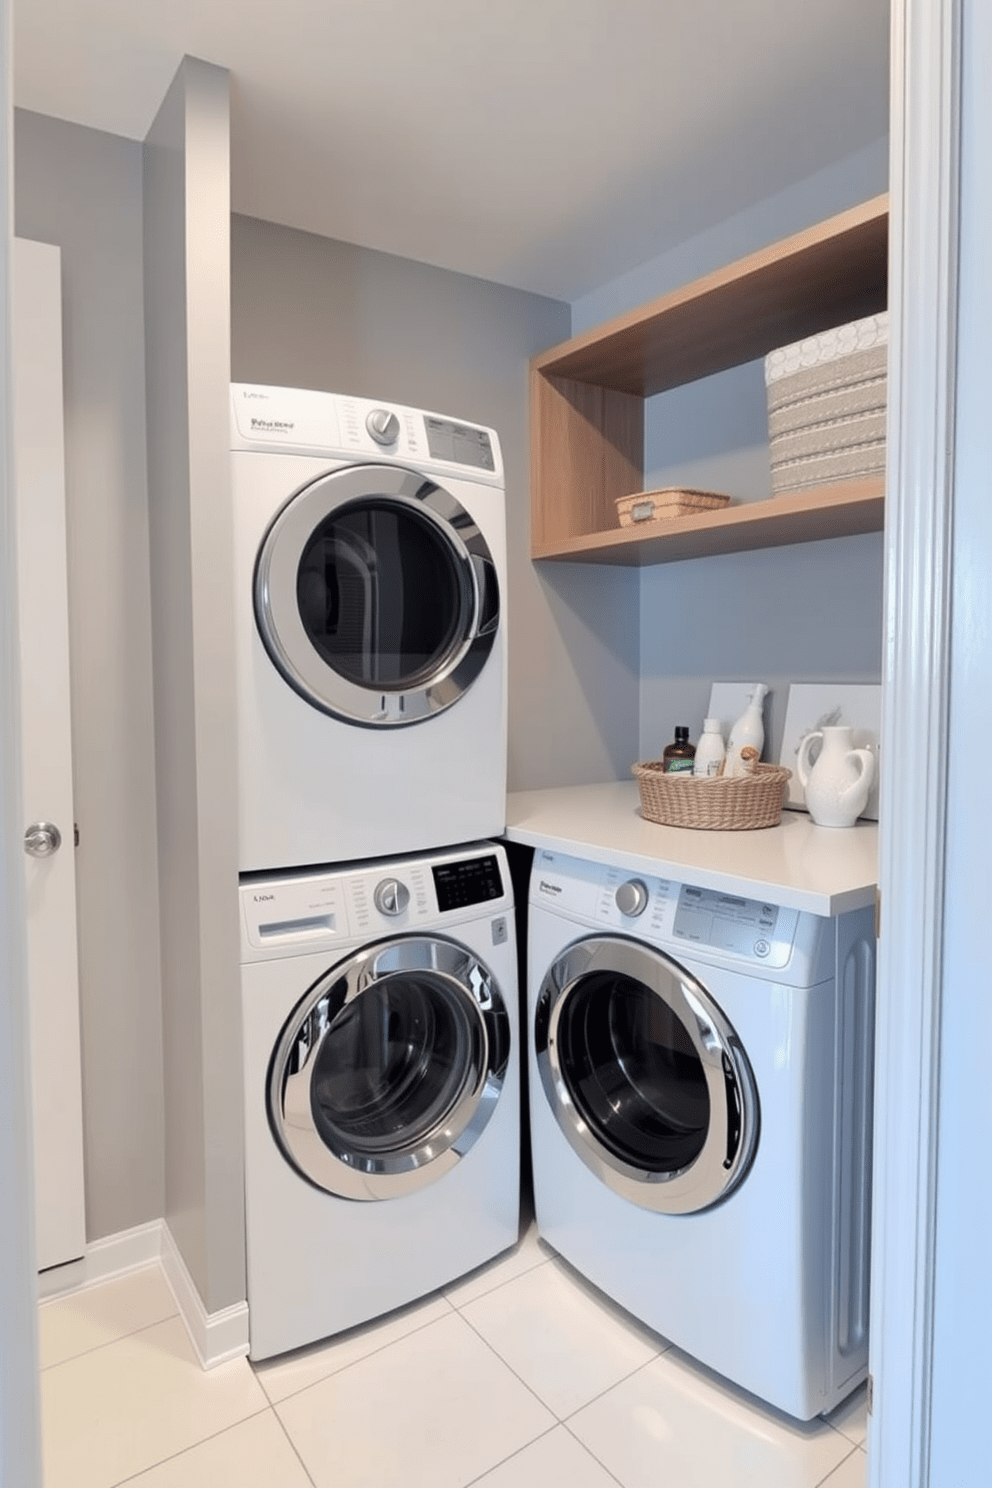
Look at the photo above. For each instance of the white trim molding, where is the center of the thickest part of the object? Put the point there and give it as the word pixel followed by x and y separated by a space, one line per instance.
pixel 915 713
pixel 215 1336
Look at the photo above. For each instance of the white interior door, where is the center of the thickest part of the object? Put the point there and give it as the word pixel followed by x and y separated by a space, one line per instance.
pixel 39 478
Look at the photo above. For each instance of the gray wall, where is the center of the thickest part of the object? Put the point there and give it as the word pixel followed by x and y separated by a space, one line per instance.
pixel 804 613
pixel 187 332
pixel 311 312
pixel 82 190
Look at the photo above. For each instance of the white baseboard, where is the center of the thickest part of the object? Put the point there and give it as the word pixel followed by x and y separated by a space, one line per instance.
pixel 115 1255
pixel 215 1336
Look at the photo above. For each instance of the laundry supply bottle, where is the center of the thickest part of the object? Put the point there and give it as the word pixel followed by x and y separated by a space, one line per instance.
pixel 678 757
pixel 710 751
pixel 749 729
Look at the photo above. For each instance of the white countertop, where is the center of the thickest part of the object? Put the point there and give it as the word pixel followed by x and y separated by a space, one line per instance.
pixel 825 870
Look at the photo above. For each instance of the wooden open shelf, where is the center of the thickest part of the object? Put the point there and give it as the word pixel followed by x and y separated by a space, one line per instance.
pixel 587 397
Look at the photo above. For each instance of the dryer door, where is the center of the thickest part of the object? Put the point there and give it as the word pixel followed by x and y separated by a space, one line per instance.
pixel 390 1068
pixel 645 1076
pixel 376 596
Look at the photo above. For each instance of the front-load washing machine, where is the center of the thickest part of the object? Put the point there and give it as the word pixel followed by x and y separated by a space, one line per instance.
pixel 700 1099
pixel 370 583
pixel 381 1073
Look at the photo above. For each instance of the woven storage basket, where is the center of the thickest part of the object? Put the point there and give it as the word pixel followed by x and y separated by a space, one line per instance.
pixel 665 505
pixel 721 805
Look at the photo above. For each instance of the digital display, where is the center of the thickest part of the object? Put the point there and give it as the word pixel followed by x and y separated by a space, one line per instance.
pixel 473 881
pixel 459 444
pixel 726 922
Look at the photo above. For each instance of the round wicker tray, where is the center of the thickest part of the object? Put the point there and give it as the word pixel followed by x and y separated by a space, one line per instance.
pixel 721 805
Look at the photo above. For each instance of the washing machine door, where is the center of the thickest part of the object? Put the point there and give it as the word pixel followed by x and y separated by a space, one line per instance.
pixel 645 1075
pixel 390 1068
pixel 376 596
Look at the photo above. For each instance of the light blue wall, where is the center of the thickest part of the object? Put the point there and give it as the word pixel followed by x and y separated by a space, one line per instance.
pixel 811 612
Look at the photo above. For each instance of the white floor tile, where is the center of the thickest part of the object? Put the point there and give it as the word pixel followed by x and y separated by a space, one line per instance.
pixel 93 1316
pixel 852 1416
pixel 120 1409
pixel 530 1252
pixel 553 1461
pixel 669 1424
pixel 434 1410
pixel 290 1373
pixel 566 1344
pixel 254 1454
pixel 852 1473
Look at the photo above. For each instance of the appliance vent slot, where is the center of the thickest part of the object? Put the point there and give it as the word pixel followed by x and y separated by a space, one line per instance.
pixel 854 1132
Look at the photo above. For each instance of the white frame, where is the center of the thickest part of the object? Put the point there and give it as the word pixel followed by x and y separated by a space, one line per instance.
pixel 924 210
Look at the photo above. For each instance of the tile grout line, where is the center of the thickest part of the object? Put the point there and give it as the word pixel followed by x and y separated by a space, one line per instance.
pixel 109 1343
pixel 174 1456
pixel 516 1453
pixel 341 1368
pixel 586 1448
pixel 295 1449
pixel 837 1467
pixel 498 1286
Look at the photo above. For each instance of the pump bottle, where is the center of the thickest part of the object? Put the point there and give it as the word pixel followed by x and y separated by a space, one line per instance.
pixel 749 729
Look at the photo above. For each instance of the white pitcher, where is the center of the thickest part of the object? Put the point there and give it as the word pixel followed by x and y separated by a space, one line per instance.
pixel 838 784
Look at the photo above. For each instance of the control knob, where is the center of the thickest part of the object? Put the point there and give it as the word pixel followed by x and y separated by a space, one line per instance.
pixel 632 898
pixel 391 896
pixel 383 425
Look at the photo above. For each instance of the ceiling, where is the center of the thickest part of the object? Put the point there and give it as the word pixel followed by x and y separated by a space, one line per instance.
pixel 551 145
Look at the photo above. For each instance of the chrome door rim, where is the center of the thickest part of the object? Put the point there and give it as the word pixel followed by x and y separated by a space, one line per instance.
pixel 717 1170
pixel 284 635
pixel 407 1166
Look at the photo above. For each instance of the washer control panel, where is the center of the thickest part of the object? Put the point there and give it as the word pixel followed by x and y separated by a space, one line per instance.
pixel 682 916
pixel 745 927
pixel 291 914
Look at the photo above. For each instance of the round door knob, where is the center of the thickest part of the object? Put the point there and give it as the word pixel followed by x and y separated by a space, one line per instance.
pixel 42 839
pixel 382 425
pixel 391 897
pixel 632 898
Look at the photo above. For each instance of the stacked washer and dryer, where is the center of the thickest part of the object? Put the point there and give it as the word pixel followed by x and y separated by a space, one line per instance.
pixel 379 980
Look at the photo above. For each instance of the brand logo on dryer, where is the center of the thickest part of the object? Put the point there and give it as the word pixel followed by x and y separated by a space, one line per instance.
pixel 270 425
pixel 548 888
pixel 262 898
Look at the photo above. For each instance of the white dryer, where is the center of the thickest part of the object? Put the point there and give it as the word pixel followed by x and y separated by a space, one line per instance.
pixel 370 582
pixel 700 1109
pixel 382 1094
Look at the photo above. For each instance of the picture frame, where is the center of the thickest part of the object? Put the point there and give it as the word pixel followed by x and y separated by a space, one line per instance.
pixel 814 705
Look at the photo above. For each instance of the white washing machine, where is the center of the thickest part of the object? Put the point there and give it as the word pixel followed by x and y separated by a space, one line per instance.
pixel 382 1094
pixel 370 582
pixel 700 1108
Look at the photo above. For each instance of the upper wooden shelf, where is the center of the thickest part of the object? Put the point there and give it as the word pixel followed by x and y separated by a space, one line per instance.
pixel 587 395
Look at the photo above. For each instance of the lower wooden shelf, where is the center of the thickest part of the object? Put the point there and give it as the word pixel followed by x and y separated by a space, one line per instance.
pixel 796 517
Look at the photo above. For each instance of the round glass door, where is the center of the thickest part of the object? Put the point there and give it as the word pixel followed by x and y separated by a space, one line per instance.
pixel 390 1068
pixel 645 1076
pixel 376 596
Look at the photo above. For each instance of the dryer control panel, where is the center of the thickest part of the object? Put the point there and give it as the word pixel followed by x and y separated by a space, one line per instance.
pixel 304 421
pixel 685 918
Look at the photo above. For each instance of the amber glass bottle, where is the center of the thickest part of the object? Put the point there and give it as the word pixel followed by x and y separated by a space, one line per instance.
pixel 678 757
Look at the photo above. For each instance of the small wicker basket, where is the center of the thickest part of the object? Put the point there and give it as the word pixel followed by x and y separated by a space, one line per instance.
pixel 666 504
pixel 722 805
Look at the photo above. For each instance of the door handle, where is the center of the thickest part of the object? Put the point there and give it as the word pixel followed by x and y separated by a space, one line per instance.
pixel 42 839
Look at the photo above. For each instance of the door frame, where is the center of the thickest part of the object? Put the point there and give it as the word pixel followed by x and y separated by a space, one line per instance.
pixel 20 1418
